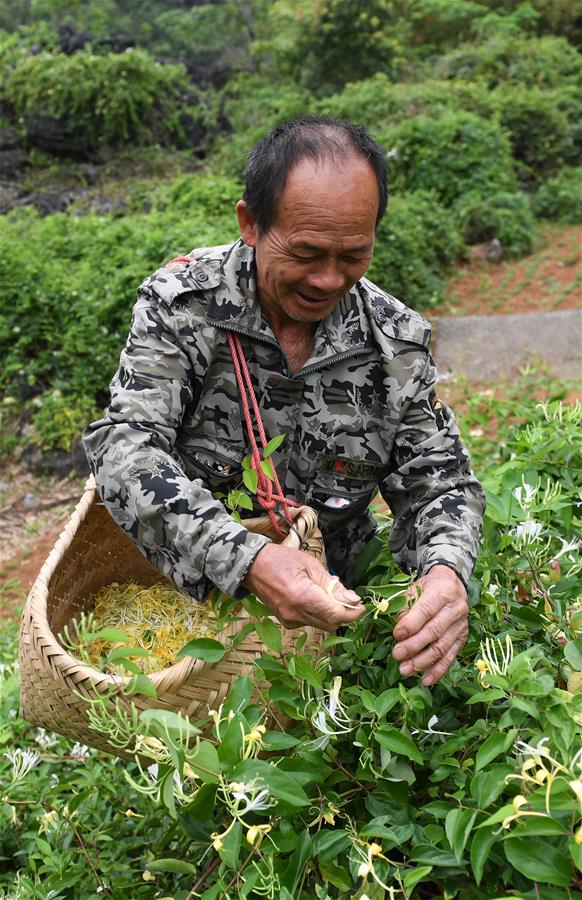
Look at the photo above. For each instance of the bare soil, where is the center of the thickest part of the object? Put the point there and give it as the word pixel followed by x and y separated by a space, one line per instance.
pixel 549 279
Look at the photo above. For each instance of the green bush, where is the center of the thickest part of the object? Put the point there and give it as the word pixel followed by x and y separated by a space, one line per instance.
pixel 543 125
pixel 450 155
pixel 560 198
pixel 105 99
pixel 65 308
pixel 533 62
pixel 376 102
pixel 253 104
pixel 416 242
pixel 506 216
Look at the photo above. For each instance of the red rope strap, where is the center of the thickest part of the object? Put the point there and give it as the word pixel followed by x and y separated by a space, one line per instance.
pixel 269 493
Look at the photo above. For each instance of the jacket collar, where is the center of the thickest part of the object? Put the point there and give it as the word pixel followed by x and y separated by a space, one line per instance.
pixel 234 305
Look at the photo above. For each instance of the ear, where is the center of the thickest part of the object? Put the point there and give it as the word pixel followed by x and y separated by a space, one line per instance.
pixel 249 230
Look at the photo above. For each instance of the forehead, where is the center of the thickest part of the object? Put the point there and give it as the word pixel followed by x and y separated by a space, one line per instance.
pixel 342 191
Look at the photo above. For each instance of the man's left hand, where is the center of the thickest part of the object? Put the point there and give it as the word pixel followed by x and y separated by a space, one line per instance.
pixel 430 634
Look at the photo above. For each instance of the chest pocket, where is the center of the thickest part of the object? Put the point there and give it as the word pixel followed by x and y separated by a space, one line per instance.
pixel 344 488
pixel 217 463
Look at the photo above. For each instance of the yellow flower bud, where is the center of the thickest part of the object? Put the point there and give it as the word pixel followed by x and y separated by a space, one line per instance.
pixel 518 802
pixel 148 876
pixel 252 834
pixel 374 849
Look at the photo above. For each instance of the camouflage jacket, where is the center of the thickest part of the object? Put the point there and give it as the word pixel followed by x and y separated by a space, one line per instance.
pixel 361 415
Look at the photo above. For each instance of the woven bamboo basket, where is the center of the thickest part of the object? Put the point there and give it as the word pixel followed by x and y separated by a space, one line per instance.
pixel 92 551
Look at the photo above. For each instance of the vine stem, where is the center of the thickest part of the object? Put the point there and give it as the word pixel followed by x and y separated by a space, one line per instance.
pixel 102 885
pixel 200 881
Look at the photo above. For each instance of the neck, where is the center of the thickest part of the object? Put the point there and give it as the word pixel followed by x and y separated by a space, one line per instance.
pixel 296 340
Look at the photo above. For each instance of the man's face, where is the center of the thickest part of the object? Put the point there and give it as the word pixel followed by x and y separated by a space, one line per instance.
pixel 321 242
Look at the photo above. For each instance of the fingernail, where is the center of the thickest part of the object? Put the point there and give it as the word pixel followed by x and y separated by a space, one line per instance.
pixel 427 680
pixel 406 668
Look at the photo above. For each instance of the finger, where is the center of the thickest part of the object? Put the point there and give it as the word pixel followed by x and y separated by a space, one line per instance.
pixel 434 652
pixel 433 631
pixel 436 594
pixel 440 668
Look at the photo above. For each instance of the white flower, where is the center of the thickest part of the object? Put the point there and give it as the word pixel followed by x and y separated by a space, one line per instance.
pixel 495 656
pixel 255 798
pixel 568 547
pixel 80 750
pixel 430 727
pixel 527 532
pixel 330 717
pixel 525 495
pixel 44 739
pixel 22 762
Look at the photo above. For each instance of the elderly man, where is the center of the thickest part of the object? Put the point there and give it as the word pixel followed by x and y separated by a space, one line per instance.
pixel 339 367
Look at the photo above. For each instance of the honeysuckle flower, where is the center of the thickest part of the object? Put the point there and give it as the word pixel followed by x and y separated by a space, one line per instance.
pixel 44 739
pixel 576 786
pixel 253 740
pixel 526 494
pixel 148 876
pixel 496 657
pixel 568 547
pixel 330 717
pixel 578 835
pixel 217 842
pixel 80 750
pixel 22 762
pixel 257 832
pixel 48 821
pixel 540 768
pixel 430 728
pixel 382 604
pixel 254 797
pixel 363 870
pixel 528 532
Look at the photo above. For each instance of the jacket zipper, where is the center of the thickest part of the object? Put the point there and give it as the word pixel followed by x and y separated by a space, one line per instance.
pixel 340 357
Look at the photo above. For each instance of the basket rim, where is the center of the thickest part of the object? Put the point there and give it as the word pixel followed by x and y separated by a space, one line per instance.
pixel 35 612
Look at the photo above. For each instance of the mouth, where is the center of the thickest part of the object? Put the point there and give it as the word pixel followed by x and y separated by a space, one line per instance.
pixel 315 302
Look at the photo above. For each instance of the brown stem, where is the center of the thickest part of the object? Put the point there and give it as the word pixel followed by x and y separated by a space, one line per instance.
pixel 536 890
pixel 200 881
pixel 84 849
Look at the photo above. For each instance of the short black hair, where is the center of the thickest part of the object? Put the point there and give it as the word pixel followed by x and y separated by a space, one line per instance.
pixel 312 137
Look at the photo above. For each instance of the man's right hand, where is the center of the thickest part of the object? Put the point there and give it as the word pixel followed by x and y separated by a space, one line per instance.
pixel 295 587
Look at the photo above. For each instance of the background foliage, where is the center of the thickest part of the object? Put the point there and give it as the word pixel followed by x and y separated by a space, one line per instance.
pixel 477 103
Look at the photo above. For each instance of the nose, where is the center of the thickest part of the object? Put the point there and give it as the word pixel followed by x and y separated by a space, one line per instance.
pixel 327 277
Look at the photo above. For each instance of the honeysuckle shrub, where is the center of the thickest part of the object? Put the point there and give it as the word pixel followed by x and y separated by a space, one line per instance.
pixel 560 198
pixel 331 775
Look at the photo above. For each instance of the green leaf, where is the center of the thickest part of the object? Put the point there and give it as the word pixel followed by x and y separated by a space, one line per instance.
pixel 415 875
pixel 239 498
pixel 486 696
pixel 480 847
pixel 575 852
pixel 141 684
pixel 494 745
pixel 167 793
pixel 231 846
pixel 230 748
pixel 179 866
pixel 458 824
pixel 111 635
pixel 121 653
pixel 282 786
pixel 254 606
pixel 304 670
pixel 275 740
pixel 395 740
pixel 270 634
pixel 204 761
pixel 573 653
pixel 488 785
pixel 202 804
pixel 267 469
pixel 163 721
pixel 203 648
pixel 538 825
pixel 539 860
pixel 433 856
pixel 301 855
pixel 329 843
pixel 336 875
pixel 250 479
pixel 273 445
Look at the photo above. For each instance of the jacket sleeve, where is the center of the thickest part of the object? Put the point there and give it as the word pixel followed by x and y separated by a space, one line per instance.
pixel 176 522
pixel 436 500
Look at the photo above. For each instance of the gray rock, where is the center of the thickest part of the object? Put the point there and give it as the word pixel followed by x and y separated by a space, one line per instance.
pixel 29 501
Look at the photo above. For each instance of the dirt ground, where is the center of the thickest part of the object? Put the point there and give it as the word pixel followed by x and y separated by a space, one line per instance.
pixel 34 509
pixel 548 280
